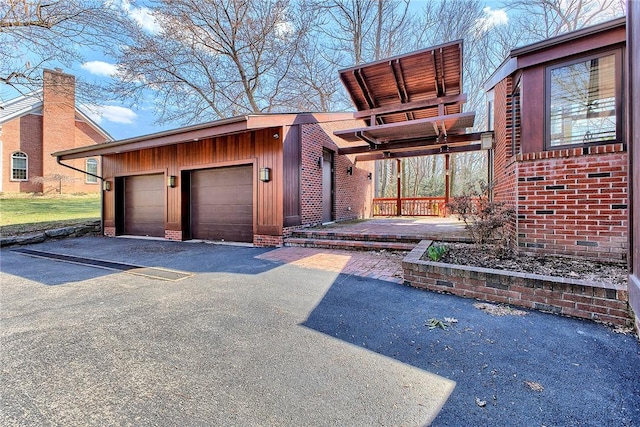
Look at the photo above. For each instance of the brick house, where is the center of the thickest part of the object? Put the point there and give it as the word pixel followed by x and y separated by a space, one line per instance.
pixel 560 147
pixel 35 125
pixel 249 178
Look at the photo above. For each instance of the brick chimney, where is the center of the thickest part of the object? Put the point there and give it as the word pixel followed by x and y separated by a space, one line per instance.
pixel 58 120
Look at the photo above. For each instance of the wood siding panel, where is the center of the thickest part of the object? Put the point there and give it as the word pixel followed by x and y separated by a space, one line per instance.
pixel 258 148
pixel 291 177
pixel 532 106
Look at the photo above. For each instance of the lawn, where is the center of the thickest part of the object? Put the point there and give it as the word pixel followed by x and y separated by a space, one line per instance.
pixel 20 213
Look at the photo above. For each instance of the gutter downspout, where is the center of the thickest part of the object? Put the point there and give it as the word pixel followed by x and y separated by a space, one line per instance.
pixel 101 191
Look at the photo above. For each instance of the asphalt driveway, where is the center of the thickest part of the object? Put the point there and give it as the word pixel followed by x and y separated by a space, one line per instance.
pixel 217 335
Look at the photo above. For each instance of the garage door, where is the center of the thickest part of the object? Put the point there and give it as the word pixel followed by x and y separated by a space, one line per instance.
pixel 222 204
pixel 144 205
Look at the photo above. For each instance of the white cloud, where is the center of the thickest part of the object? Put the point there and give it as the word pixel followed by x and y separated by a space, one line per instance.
pixel 111 113
pixel 492 18
pixel 142 15
pixel 145 19
pixel 284 29
pixel 100 68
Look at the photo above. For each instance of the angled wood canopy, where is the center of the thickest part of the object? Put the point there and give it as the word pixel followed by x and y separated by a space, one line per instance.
pixel 408 98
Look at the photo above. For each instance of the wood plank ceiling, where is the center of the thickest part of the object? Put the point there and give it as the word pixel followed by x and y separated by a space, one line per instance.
pixel 411 100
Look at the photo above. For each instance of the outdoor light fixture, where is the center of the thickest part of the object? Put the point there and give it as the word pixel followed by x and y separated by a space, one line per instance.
pixel 171 181
pixel 276 135
pixel 486 140
pixel 350 170
pixel 265 174
pixel 370 175
pixel 106 185
pixel 320 162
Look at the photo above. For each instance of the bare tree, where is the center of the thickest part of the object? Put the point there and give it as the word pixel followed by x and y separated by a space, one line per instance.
pixel 542 19
pixel 35 34
pixel 349 22
pixel 212 58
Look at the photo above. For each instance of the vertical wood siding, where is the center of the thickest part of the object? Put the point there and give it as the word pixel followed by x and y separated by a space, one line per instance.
pixel 259 148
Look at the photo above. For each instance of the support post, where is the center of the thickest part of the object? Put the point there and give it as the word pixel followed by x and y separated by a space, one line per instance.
pixel 446 178
pixel 399 200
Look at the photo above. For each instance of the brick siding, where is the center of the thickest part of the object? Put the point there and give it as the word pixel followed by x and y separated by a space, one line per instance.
pixel 574 202
pixel 22 134
pixel 568 202
pixel 599 302
pixel 352 193
pixel 267 241
pixel 172 235
pixel 505 178
pixel 39 135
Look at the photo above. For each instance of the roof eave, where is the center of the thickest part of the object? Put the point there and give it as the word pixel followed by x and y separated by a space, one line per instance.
pixel 563 38
pixel 200 131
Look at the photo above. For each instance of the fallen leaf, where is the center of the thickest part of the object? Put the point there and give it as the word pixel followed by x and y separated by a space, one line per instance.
pixel 534 385
pixel 481 403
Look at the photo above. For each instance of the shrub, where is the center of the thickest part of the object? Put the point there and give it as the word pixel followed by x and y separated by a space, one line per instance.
pixel 436 252
pixel 485 219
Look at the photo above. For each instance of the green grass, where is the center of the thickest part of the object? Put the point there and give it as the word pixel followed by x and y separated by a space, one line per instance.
pixel 21 213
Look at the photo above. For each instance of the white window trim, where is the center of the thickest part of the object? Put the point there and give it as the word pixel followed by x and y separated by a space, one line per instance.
pixel 26 158
pixel 88 178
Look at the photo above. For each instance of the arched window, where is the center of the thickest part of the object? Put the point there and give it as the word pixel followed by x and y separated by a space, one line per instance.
pixel 19 166
pixel 92 168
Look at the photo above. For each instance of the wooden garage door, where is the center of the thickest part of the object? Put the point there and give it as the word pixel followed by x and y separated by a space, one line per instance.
pixel 222 204
pixel 144 205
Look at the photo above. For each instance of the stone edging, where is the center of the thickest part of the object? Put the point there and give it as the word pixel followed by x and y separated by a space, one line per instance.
pixel 570 297
pixel 90 228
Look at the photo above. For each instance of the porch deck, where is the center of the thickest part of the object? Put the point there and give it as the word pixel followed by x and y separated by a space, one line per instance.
pixel 392 233
pixel 430 227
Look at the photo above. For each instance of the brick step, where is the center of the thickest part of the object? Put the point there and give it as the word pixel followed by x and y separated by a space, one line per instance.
pixel 348 244
pixel 352 236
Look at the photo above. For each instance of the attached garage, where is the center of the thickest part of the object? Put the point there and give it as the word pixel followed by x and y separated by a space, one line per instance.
pixel 251 178
pixel 222 204
pixel 144 205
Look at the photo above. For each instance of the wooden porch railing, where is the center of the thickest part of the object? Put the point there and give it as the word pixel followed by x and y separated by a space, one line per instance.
pixel 410 206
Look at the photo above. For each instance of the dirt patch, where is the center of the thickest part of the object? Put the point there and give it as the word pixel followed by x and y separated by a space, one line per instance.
pixel 556 266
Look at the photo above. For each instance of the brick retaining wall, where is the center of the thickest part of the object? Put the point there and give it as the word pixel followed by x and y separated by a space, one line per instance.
pixel 595 301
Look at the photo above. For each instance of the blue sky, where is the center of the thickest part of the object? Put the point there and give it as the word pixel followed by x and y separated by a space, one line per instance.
pixel 124 122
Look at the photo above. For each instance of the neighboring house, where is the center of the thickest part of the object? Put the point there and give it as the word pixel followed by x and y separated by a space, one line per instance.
pixel 35 125
pixel 249 179
pixel 560 144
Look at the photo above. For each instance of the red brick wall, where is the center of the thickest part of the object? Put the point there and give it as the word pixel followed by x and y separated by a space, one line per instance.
pixel 505 179
pixel 568 202
pixel 594 301
pixel 58 117
pixel 352 193
pixel 40 135
pixel 22 134
pixel 574 202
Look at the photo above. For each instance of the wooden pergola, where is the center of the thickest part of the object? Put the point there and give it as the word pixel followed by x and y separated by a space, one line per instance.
pixel 412 106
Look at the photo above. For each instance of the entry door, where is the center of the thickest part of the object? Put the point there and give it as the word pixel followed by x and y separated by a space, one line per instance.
pixel 327 186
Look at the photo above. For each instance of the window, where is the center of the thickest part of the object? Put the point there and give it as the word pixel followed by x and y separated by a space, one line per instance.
pixel 583 102
pixel 490 107
pixel 18 166
pixel 92 168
